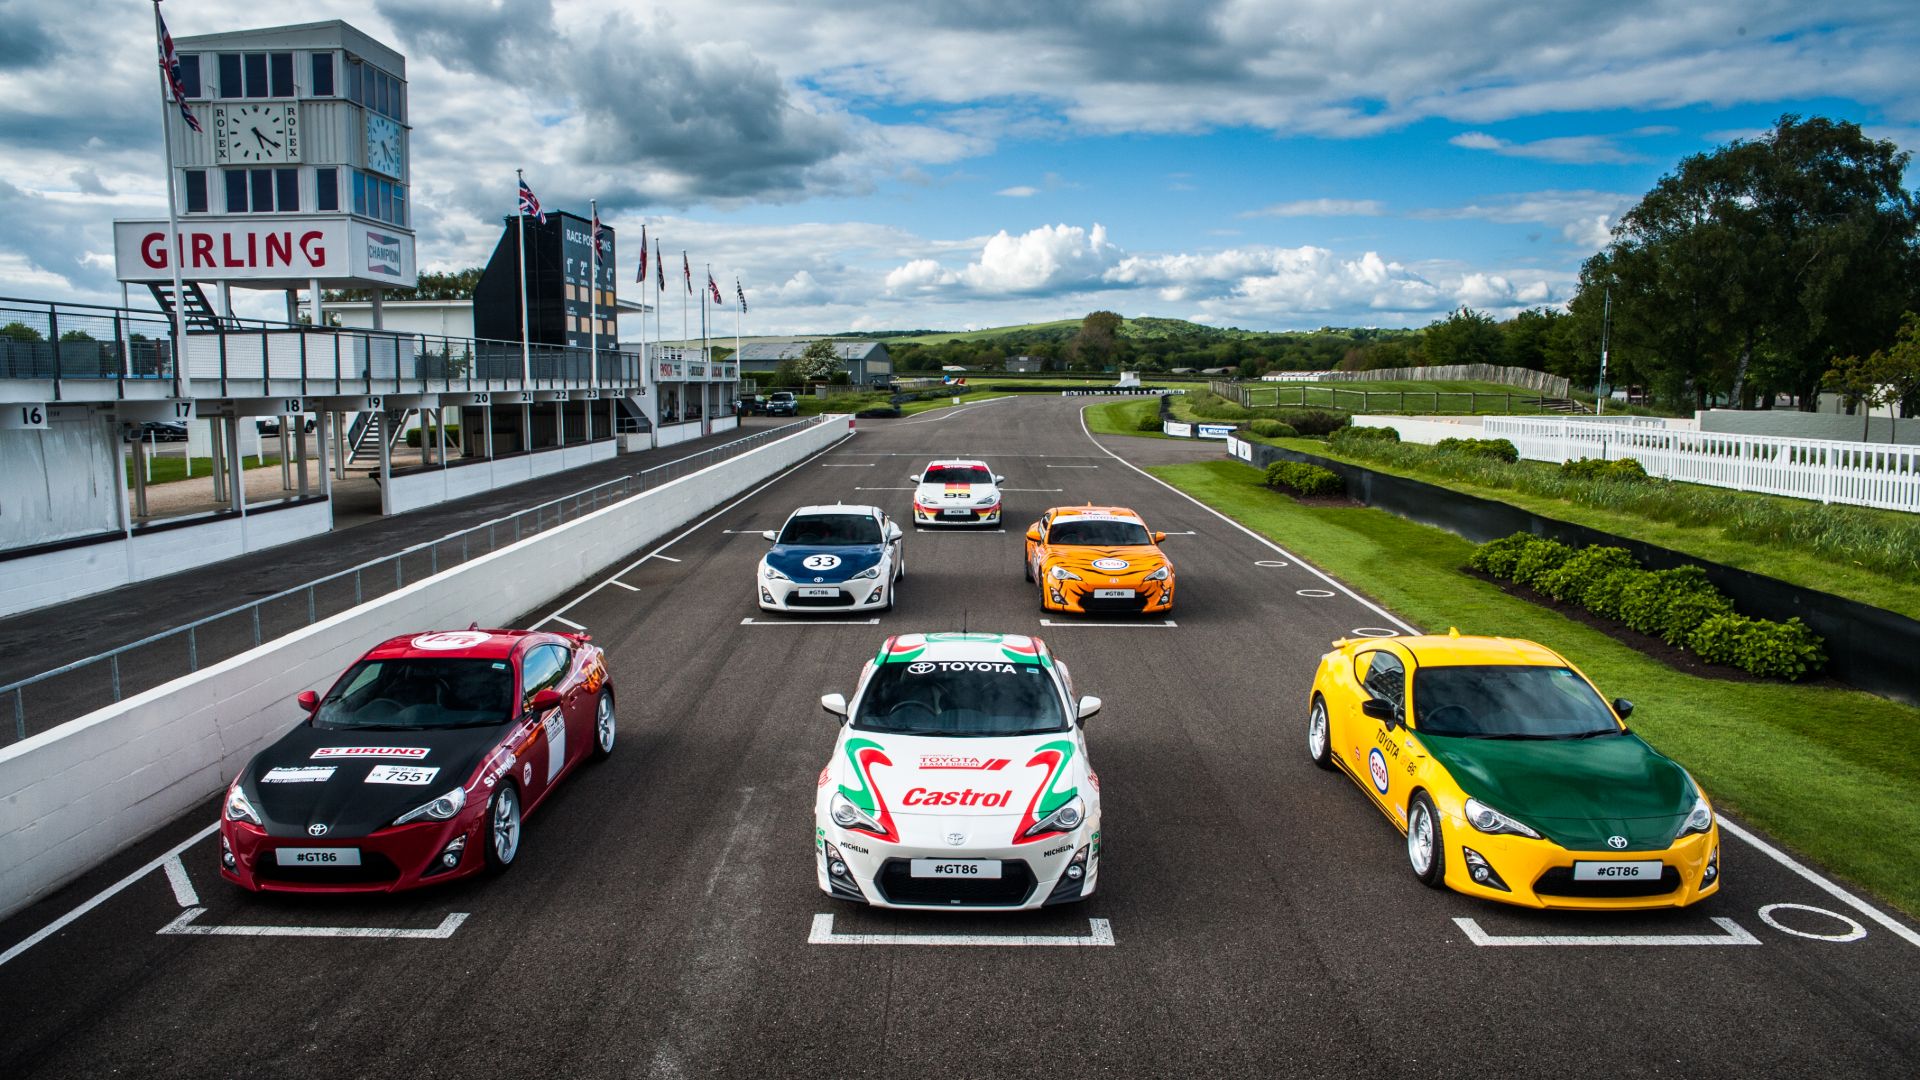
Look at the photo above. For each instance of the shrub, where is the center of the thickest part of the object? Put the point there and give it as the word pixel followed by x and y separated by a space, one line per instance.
pixel 1785 650
pixel 1605 595
pixel 1350 436
pixel 1211 406
pixel 1688 610
pixel 1496 557
pixel 1538 558
pixel 1497 449
pixel 1649 602
pixel 414 435
pixel 1273 429
pixel 1304 479
pixel 1315 422
pixel 1149 423
pixel 1569 581
pixel 1602 469
pixel 879 412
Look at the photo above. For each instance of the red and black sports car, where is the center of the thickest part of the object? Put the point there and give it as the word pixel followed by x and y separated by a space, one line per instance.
pixel 420 764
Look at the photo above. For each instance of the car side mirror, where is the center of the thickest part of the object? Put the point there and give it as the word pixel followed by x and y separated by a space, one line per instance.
pixel 893 531
pixel 772 537
pixel 1382 711
pixel 998 479
pixel 544 700
pixel 835 704
pixel 1088 706
pixel 1159 537
pixel 308 700
pixel 914 476
pixel 1033 534
pixel 1623 707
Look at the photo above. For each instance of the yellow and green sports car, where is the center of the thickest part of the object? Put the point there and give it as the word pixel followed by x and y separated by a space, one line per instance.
pixel 1511 777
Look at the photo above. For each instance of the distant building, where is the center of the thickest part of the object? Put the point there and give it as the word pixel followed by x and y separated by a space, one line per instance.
pixel 865 362
pixel 1025 364
pixel 1219 370
pixel 435 318
pixel 953 367
pixel 1180 371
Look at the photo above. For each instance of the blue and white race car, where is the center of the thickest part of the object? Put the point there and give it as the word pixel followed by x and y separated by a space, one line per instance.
pixel 839 558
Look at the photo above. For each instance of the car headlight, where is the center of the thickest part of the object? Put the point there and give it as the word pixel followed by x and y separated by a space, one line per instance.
pixel 769 573
pixel 1488 820
pixel 1061 573
pixel 1159 575
pixel 848 816
pixel 439 809
pixel 239 809
pixel 870 572
pixel 1066 819
pixel 1700 818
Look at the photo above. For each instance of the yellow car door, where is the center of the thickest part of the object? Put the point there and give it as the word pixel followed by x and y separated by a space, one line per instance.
pixel 1379 749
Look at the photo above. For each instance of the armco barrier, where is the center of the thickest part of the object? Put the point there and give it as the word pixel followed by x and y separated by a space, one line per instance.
pixel 79 793
pixel 1867 647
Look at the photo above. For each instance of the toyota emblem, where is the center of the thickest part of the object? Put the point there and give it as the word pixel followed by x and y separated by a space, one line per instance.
pixel 1616 842
pixel 316 829
pixel 955 839
pixel 919 667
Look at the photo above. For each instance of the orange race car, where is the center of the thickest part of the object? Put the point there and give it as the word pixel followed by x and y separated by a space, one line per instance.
pixel 1098 560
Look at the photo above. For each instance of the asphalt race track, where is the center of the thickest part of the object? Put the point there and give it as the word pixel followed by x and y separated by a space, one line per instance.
pixel 1255 915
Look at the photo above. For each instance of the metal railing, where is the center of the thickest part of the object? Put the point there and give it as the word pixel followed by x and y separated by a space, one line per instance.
pixel 72 690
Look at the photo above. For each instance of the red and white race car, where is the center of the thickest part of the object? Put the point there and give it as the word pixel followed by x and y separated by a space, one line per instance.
pixel 420 764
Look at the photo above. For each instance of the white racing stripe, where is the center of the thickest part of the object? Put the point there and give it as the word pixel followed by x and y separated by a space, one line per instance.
pixel 185 925
pixel 1735 935
pixel 1099 935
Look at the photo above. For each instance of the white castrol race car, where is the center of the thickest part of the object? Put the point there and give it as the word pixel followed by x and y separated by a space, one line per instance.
pixel 956 493
pixel 959 779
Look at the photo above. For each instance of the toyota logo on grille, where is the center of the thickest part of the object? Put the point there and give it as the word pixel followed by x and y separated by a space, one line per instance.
pixel 316 829
pixel 955 839
pixel 1616 842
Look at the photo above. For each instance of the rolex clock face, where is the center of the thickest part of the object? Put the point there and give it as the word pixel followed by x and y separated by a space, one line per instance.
pixel 383 147
pixel 249 134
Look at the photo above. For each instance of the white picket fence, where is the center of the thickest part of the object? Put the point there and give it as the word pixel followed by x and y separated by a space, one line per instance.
pixel 1860 474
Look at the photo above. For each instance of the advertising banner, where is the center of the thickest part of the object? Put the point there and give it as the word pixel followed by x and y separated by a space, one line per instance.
pixel 268 252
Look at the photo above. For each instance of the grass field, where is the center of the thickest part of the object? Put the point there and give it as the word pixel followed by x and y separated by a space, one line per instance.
pixel 1832 773
pixel 1122 416
pixel 167 469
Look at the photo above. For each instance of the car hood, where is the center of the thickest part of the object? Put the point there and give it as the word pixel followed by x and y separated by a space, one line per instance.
pixel 1576 792
pixel 954 494
pixel 911 776
pixel 1116 563
pixel 288 782
pixel 791 560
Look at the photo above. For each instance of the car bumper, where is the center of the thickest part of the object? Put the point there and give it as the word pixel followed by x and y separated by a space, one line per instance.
pixel 867 594
pixel 1539 873
pixel 391 860
pixel 1033 875
pixel 1078 597
pixel 941 515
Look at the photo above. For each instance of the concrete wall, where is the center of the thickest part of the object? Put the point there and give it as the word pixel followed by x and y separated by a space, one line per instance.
pixel 38 580
pixel 431 486
pixel 1425 429
pixel 1793 424
pixel 74 795
pixel 669 434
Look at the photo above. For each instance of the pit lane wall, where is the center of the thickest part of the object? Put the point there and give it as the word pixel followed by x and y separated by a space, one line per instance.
pixel 75 795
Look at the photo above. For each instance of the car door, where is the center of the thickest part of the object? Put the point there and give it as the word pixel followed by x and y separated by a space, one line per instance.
pixel 1378 748
pixel 544 668
pixel 579 698
pixel 1037 549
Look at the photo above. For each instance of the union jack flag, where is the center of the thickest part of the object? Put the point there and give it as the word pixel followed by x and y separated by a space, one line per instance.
pixel 641 277
pixel 742 293
pixel 659 268
pixel 530 203
pixel 714 289
pixel 686 270
pixel 170 64
pixel 596 227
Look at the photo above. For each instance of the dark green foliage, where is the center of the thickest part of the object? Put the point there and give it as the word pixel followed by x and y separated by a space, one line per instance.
pixel 1570 580
pixel 1601 469
pixel 879 412
pixel 1211 406
pixel 1351 434
pixel 1314 423
pixel 415 435
pixel 1304 479
pixel 1606 594
pixel 1497 557
pixel 1496 449
pixel 1785 650
pixel 1152 423
pixel 1273 429
pixel 1538 559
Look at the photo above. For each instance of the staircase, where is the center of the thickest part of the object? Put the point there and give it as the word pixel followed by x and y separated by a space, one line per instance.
pixel 633 419
pixel 363 437
pixel 199 314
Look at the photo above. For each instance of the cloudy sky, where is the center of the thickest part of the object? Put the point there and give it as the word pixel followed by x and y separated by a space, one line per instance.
pixel 889 164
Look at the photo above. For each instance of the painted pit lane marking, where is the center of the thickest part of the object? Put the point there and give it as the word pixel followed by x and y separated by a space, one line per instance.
pixel 1269 562
pixel 565 622
pixel 1035 489
pixel 1373 631
pixel 657 555
pixel 1897 928
pixel 962 532
pixel 624 585
pixel 1073 466
pixel 886 489
pixel 811 622
pixel 1735 935
pixel 1099 935
pixel 106 894
pixel 184 924
pixel 1162 625
pixel 183 891
pixel 838 465
pixel 1854 933
pixel 1314 593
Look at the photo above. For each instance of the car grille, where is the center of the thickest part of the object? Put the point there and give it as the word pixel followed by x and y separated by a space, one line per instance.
pixel 1559 882
pixel 1111 606
pixel 897 883
pixel 838 599
pixel 374 869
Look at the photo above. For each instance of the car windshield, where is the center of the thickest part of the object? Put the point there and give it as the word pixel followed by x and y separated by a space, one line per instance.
pixel 956 474
pixel 825 529
pixel 961 699
pixel 1508 702
pixel 418 694
pixel 1098 532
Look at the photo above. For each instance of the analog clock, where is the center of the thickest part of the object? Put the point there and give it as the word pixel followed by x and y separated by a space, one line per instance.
pixel 384 154
pixel 250 134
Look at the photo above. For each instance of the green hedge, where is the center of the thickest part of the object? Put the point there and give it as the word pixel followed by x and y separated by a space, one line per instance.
pixel 1304 479
pixel 1348 436
pixel 1601 469
pixel 1496 449
pixel 1273 429
pixel 1211 406
pixel 453 435
pixel 1150 423
pixel 1679 606
pixel 1314 423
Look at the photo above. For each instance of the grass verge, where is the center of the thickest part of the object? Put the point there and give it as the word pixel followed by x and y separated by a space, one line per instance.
pixel 1833 773
pixel 168 469
pixel 1122 416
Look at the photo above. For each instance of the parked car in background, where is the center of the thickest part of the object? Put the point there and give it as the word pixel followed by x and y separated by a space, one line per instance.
pixel 751 405
pixel 157 431
pixel 270 425
pixel 783 403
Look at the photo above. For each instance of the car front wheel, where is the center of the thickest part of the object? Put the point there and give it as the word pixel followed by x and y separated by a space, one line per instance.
pixel 1319 739
pixel 503 827
pixel 605 727
pixel 1426 854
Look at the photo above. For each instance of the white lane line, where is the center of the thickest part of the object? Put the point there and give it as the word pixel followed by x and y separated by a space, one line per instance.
pixel 885 489
pixel 104 895
pixel 951 411
pixel 1073 466
pixel 1099 935
pixel 1735 935
pixel 185 925
pixel 810 622
pixel 1188 532
pixel 1165 624
pixel 566 622
pixel 1898 928
pixel 657 555
pixel 624 585
pixel 840 465
pixel 960 532
pixel 1357 598
pixel 182 884
pixel 1033 489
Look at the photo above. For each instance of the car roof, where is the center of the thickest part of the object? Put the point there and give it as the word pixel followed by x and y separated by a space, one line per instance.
pixel 964 645
pixel 957 463
pixel 836 508
pixel 1091 511
pixel 476 644
pixel 1446 650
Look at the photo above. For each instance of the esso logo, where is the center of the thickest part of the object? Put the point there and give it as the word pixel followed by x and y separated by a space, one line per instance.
pixel 447 640
pixel 820 562
pixel 1109 564
pixel 1377 765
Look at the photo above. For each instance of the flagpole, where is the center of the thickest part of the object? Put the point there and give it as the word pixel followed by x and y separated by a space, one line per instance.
pixel 173 213
pixel 706 358
pixel 526 342
pixel 593 297
pixel 685 273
